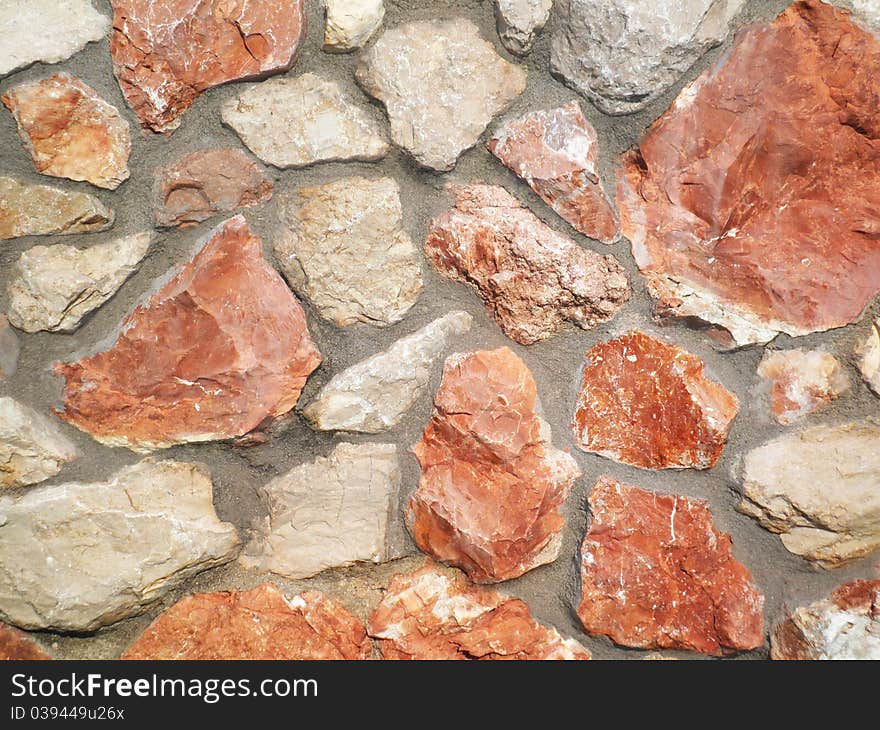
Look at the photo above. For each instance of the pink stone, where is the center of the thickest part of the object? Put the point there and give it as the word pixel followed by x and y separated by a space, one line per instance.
pixel 801 382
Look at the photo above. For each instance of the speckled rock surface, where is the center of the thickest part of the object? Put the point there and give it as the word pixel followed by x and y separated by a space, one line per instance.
pixel 350 24
pixel 868 353
pixel 801 382
pixel 16 645
pixel 519 21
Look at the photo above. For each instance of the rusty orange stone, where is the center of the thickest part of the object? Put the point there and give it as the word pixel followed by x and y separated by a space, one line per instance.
pixel 17 645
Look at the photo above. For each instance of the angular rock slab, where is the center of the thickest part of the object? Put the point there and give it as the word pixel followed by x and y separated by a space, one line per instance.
pixel 647 403
pixel 740 202
pixel 47 30
pixel 801 382
pixel 819 489
pixel 519 21
pixel 531 278
pixel 657 574
pixel 75 557
pixel 9 349
pixel 40 210
pixel 53 287
pixel 32 448
pixel 339 236
pixel 492 487
pixel 219 350
pixel 204 183
pixel 333 512
pixel 868 353
pixel 436 614
pixel 350 24
pixel 845 626
pixel 16 645
pixel 441 84
pixel 261 623
pixel 70 131
pixel 372 396
pixel 302 121
pixel 623 54
pixel 557 153
pixel 167 52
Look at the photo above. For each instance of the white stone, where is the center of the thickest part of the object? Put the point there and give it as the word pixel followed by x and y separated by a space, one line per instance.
pixel 868 353
pixel 351 23
pixel 869 11
pixel 519 21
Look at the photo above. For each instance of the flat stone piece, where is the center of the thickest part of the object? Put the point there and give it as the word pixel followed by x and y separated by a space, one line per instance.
pixel 649 404
pixel 167 52
pixel 801 382
pixel 492 487
pixel 219 350
pixel 16 645
pixel 75 557
pixel 437 614
pixel 739 201
pixel 519 21
pixel 441 83
pixel 261 623
pixel 350 24
pixel 868 354
pixel 9 349
pixel 657 574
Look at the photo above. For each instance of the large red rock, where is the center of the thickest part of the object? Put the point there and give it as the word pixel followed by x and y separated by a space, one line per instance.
pixel 261 623
pixel 657 574
pixel 17 645
pixel 752 204
pixel 218 351
pixel 647 403
pixel 492 487
pixel 435 614
pixel 167 52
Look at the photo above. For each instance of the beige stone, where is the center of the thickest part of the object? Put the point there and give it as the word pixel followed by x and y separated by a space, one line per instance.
pixel 351 23
pixel 868 353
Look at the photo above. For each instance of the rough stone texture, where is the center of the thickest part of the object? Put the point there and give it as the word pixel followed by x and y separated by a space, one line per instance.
pixel 40 210
pixel 46 30
pixel 740 201
pixel 234 353
pixel 531 278
pixel 75 557
pixel 801 382
pixel 261 623
pixel 339 235
pixel 519 21
pixel 70 131
pixel 304 120
pixel 54 287
pixel 492 486
pixel 9 349
pixel 820 490
pixel 32 448
pixel 649 404
pixel 868 353
pixel 557 152
pixel 372 396
pixel 333 512
pixel 16 645
pixel 623 54
pixel 845 626
pixel 657 574
pixel 435 614
pixel 167 52
pixel 441 83
pixel 204 183
pixel 350 24
pixel 868 11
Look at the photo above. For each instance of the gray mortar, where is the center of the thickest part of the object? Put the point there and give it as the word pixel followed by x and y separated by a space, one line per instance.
pixel 551 591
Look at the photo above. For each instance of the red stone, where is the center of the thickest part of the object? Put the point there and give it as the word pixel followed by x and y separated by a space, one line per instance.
pixel 258 624
pixel 435 614
pixel 492 487
pixel 166 52
pixel 648 403
pixel 17 645
pixel 218 351
pixel 657 574
pixel 801 382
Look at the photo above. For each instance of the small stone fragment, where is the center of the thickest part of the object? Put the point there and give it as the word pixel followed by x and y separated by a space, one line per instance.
pixel 649 404
pixel 868 353
pixel 657 574
pixel 519 21
pixel 32 448
pixel 801 382
pixel 373 395
pixel 557 153
pixel 47 30
pixel 221 349
pixel 210 181
pixel 441 84
pixel 339 236
pixel 531 278
pixel 16 645
pixel 53 287
pixel 70 131
pixel 261 623
pixel 39 210
pixel 351 23
pixel 167 52
pixel 844 627
pixel 819 489
pixel 9 349
pixel 492 487
pixel 75 557
pixel 435 614
pixel 304 120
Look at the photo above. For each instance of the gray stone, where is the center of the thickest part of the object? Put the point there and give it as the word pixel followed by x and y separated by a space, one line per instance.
pixel 351 23
pixel 519 21
pixel 9 349
pixel 868 353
